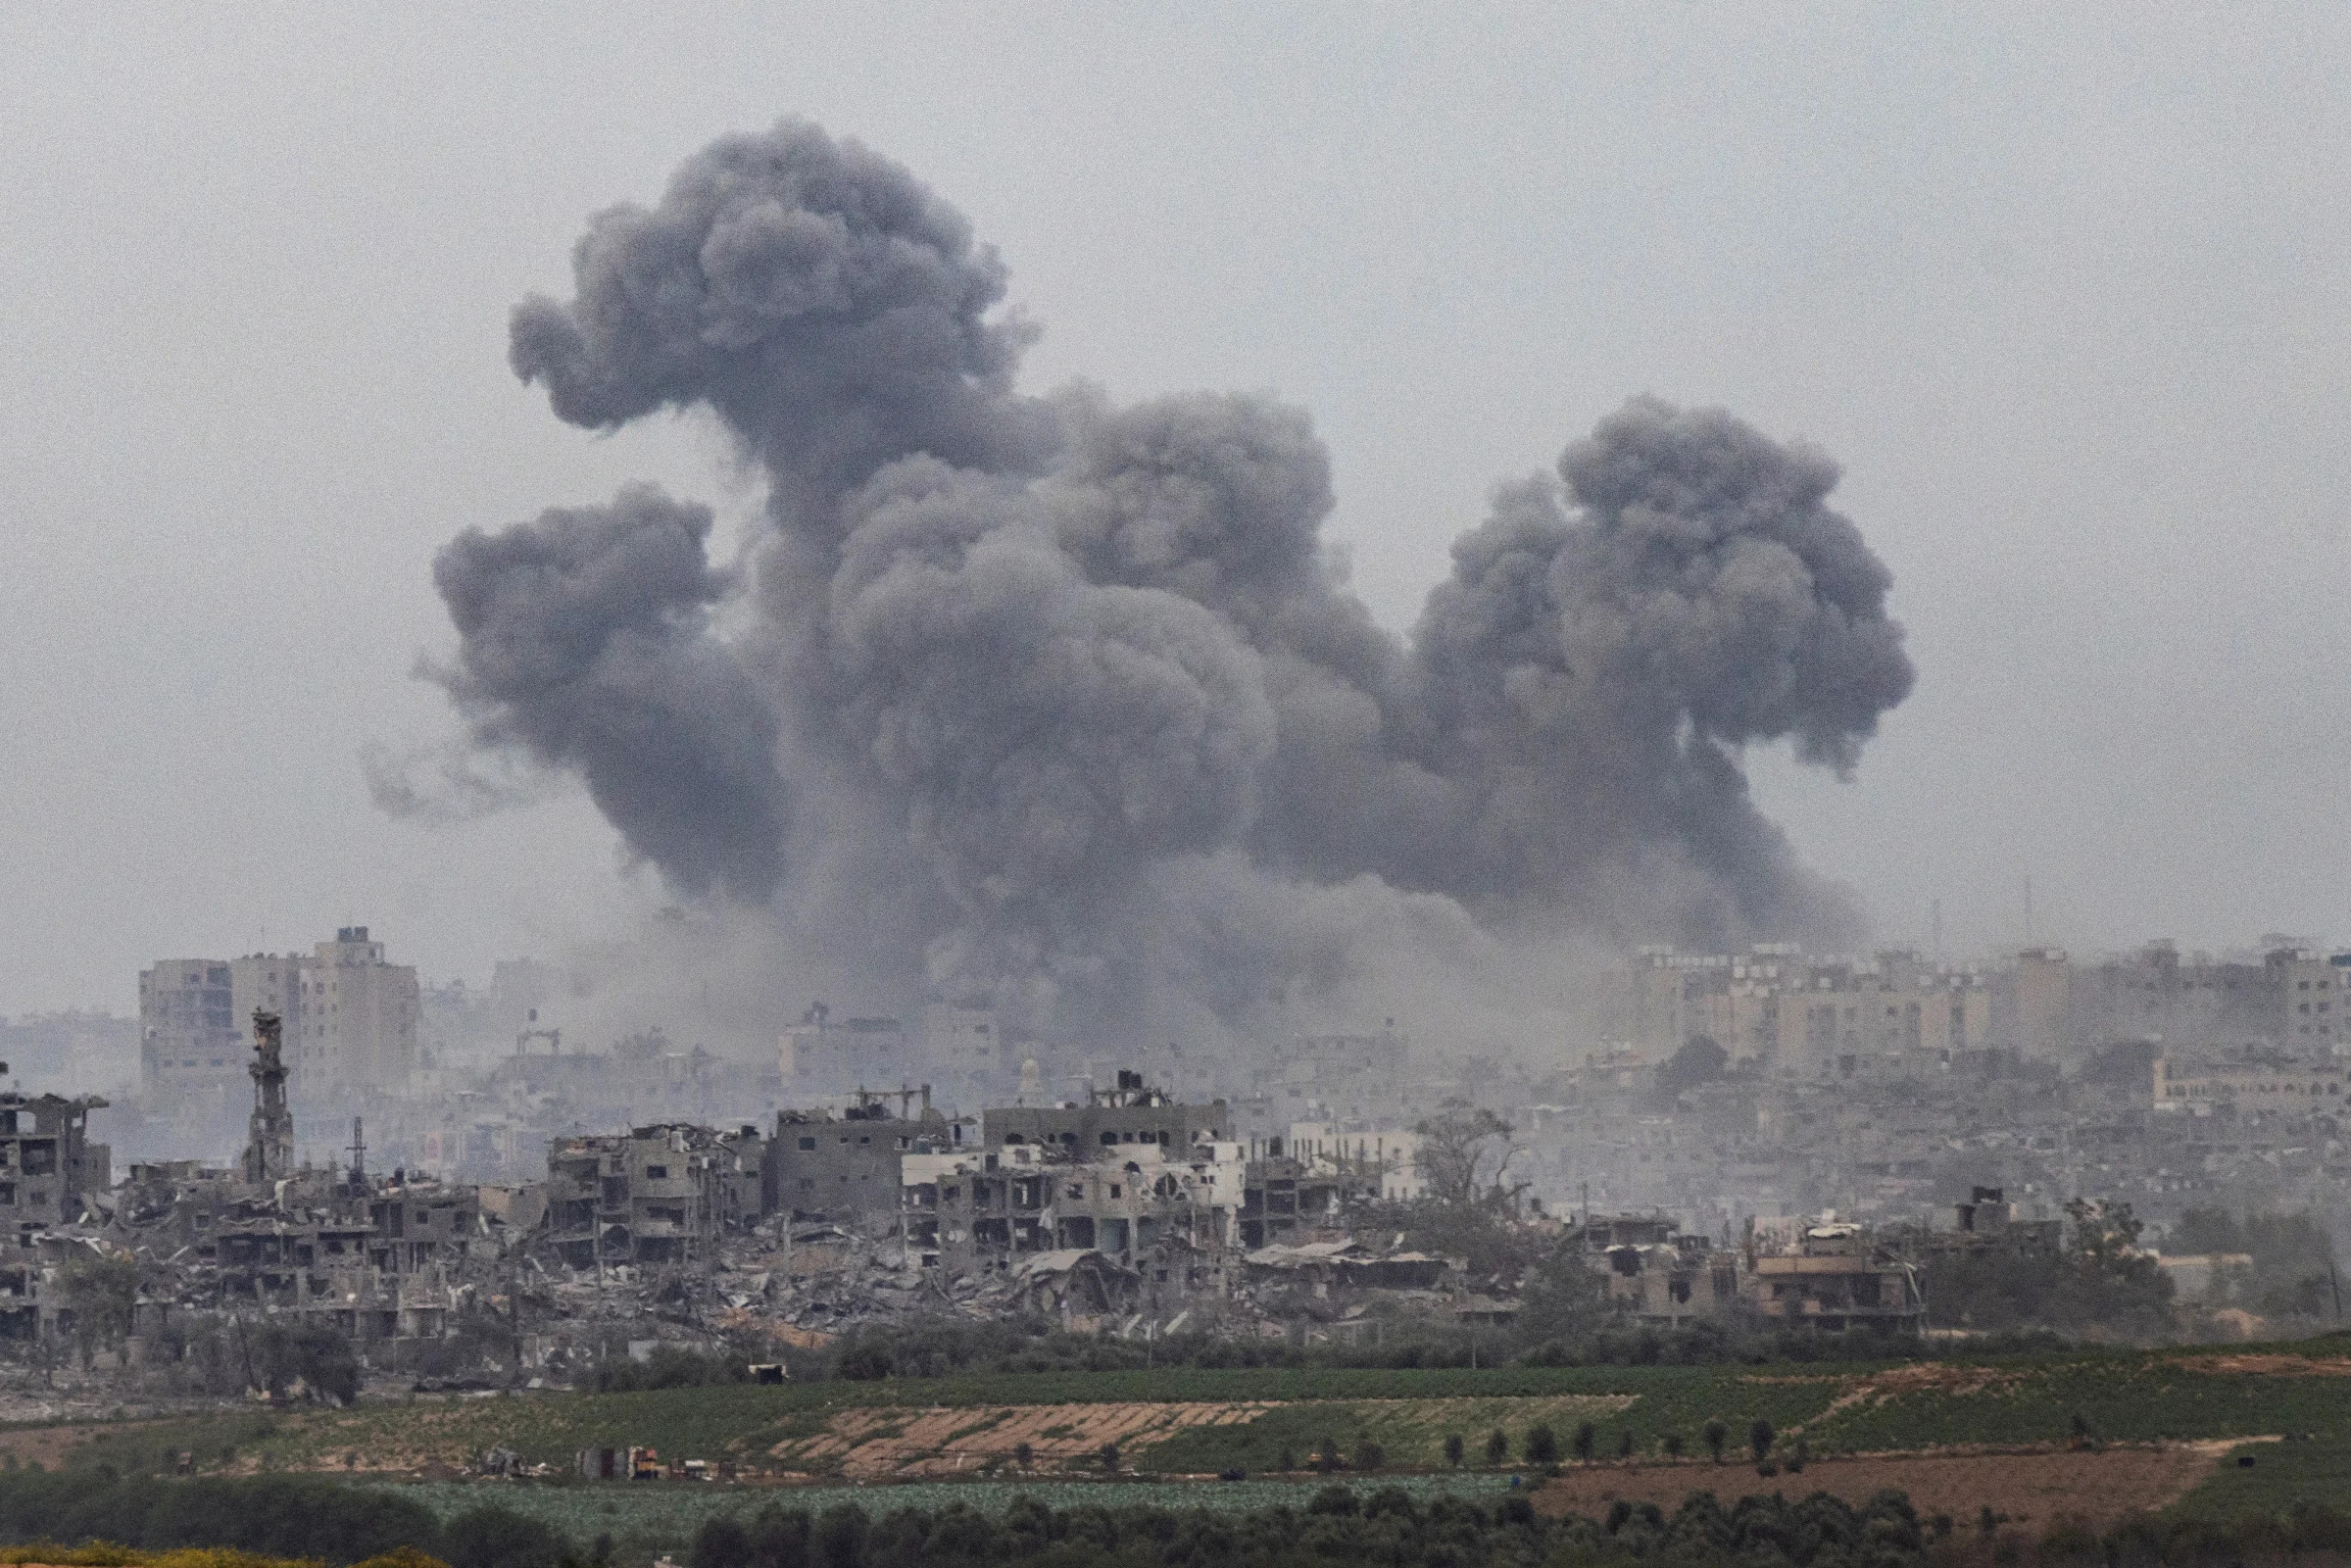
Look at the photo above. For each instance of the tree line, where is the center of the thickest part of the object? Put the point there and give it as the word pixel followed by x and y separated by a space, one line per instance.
pixel 331 1523
pixel 272 1516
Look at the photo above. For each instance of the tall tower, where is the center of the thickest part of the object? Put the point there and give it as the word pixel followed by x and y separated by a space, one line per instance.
pixel 269 1144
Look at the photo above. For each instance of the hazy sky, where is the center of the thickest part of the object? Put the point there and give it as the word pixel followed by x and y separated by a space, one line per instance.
pixel 2064 289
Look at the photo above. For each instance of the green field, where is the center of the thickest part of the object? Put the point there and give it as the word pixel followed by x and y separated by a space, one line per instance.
pixel 656 1518
pixel 743 1421
pixel 2116 1395
pixel 2281 1474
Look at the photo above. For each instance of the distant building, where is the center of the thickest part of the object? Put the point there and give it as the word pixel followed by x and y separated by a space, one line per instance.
pixel 1831 1275
pixel 1389 1155
pixel 350 1016
pixel 190 1042
pixel 2251 1081
pixel 962 1041
pixel 1819 1016
pixel 1131 1113
pixel 361 1015
pixel 828 1053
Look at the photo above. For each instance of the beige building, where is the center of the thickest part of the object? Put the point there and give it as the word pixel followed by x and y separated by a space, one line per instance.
pixel 360 1014
pixel 191 1045
pixel 1813 1015
pixel 2251 1083
pixel 1391 1154
pixel 351 1021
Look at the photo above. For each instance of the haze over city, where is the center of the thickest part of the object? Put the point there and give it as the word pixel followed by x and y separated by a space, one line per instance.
pixel 1185 786
pixel 2058 305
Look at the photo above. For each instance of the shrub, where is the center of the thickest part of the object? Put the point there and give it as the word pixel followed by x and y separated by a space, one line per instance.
pixel 1759 1438
pixel 1452 1449
pixel 1542 1444
pixel 1715 1435
pixel 1498 1448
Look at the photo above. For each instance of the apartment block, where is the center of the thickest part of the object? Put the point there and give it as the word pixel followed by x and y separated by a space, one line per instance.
pixel 190 1042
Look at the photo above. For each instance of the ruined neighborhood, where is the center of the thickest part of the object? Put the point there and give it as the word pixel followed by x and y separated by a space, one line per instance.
pixel 1764 1139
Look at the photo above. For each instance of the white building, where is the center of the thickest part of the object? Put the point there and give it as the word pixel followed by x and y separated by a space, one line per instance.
pixel 1393 1153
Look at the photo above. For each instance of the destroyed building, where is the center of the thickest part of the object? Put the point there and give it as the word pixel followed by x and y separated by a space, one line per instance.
pixel 826 1164
pixel 1833 1275
pixel 1130 1113
pixel 653 1194
pixel 1655 1271
pixel 50 1171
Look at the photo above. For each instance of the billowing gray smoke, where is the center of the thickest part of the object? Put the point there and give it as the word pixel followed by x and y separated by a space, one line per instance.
pixel 1075 693
pixel 585 641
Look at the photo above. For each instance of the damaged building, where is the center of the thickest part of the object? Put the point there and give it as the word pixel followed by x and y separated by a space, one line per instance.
pixel 653 1195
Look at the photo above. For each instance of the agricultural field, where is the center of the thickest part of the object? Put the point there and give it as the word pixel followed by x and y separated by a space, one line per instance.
pixel 810 1427
pixel 1189 1421
pixel 2117 1397
pixel 644 1520
pixel 2027 1490
pixel 2280 1475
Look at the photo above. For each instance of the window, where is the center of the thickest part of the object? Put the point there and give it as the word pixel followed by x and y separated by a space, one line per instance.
pixel 808 1143
pixel 657 1173
pixel 1109 1138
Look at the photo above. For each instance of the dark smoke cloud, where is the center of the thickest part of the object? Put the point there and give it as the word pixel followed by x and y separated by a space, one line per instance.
pixel 1086 681
pixel 586 641
pixel 827 305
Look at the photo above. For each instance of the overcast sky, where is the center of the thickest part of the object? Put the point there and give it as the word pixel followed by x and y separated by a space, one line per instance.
pixel 2063 289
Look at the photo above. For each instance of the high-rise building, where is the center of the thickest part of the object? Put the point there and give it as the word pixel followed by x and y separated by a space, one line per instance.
pixel 350 1021
pixel 359 1013
pixel 191 1047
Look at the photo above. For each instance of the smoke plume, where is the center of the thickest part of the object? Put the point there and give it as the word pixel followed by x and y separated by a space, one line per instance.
pixel 584 640
pixel 1070 701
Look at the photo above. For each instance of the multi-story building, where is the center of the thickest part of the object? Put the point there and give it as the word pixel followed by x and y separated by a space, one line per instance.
pixel 824 1053
pixel 359 1013
pixel 1831 1275
pixel 846 1164
pixel 191 1045
pixel 1152 1210
pixel 1808 1016
pixel 962 1043
pixel 2254 1081
pixel 350 1017
pixel 1388 1155
pixel 1128 1114
pixel 2050 1007
pixel 1657 1271
pixel 653 1195
pixel 48 1166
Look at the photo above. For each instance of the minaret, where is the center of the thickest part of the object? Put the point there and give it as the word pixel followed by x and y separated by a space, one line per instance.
pixel 269 1144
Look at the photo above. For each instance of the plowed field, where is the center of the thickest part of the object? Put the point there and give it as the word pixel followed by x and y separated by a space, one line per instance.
pixel 950 1440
